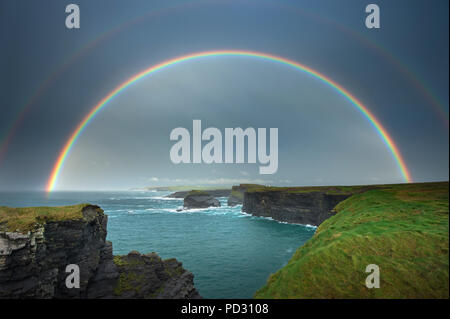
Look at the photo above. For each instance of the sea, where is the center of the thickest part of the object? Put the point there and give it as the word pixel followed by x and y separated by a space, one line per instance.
pixel 230 253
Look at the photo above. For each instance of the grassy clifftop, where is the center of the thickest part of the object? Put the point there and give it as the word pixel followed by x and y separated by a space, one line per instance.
pixel 401 228
pixel 23 219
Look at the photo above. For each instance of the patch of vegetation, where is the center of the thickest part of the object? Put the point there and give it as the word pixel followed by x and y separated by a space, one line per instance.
pixel 129 282
pixel 24 219
pixel 401 228
pixel 125 261
pixel 157 292
pixel 173 271
pixel 119 261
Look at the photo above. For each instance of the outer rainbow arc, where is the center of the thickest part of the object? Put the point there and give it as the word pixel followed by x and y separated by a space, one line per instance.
pixel 363 109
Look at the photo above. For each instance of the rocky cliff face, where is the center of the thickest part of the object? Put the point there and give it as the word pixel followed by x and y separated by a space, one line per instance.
pixel 310 208
pixel 237 193
pixel 33 264
pixel 236 197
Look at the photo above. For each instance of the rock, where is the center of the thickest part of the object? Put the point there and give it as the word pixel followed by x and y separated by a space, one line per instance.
pixel 200 200
pixel 33 264
pixel 148 276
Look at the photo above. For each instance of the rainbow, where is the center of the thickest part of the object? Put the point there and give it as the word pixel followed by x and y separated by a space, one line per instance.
pixel 419 84
pixel 387 139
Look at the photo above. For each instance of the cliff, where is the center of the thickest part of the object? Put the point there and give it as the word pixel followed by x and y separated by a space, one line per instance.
pixel 308 208
pixel 37 244
pixel 403 229
pixel 237 193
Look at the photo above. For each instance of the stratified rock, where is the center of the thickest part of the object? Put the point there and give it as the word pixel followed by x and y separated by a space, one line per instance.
pixel 199 199
pixel 33 259
pixel 308 208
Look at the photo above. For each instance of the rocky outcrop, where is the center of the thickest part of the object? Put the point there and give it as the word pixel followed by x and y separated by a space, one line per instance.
pixel 33 263
pixel 200 200
pixel 213 193
pixel 308 208
pixel 148 276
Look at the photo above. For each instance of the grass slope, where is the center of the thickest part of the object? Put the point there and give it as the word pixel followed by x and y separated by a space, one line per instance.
pixel 401 228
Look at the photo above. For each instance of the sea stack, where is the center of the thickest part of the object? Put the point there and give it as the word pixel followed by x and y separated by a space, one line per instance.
pixel 200 199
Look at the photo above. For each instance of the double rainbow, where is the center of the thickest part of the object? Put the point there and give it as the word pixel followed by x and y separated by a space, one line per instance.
pixel 387 139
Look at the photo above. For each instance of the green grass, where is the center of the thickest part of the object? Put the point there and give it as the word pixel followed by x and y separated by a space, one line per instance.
pixel 401 228
pixel 24 219
pixel 345 190
pixel 335 190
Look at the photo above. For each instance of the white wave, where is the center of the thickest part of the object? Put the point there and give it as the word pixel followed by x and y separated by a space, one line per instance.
pixel 196 210
pixel 142 197
pixel 244 214
pixel 162 210
pixel 165 198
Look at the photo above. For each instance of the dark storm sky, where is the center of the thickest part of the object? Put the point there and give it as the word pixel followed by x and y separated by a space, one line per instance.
pixel 322 139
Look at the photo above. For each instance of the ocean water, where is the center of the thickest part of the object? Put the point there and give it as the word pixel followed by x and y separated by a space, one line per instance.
pixel 230 253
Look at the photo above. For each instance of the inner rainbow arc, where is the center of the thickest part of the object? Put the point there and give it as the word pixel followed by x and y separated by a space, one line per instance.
pixel 387 139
